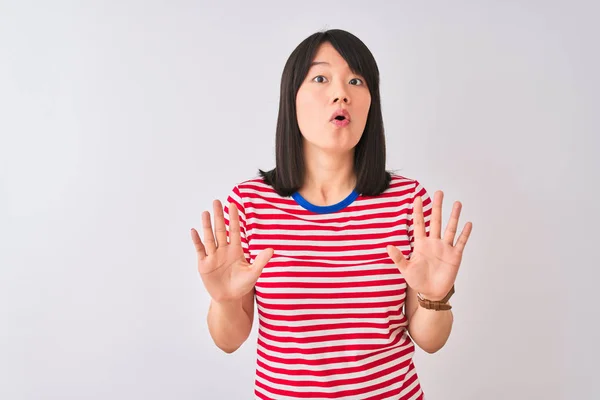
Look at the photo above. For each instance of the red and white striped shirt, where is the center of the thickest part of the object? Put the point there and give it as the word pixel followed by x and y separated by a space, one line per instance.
pixel 330 301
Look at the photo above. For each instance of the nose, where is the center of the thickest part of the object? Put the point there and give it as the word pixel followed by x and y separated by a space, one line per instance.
pixel 340 95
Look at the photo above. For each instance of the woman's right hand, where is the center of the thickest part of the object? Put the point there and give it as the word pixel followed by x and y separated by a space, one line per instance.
pixel 224 270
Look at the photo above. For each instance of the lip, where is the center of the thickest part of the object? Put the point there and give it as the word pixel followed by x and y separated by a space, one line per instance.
pixel 340 111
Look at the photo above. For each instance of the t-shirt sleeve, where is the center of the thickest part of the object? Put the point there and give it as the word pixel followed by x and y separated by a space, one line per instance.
pixel 419 190
pixel 235 197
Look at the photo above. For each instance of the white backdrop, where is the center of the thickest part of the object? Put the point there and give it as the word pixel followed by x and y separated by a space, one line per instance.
pixel 120 121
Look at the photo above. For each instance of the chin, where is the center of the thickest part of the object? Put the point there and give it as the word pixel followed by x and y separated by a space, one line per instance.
pixel 336 148
pixel 333 144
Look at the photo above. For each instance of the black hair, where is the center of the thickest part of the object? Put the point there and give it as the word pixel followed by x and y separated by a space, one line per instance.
pixel 370 153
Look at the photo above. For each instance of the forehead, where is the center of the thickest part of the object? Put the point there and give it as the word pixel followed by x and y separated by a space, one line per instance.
pixel 328 56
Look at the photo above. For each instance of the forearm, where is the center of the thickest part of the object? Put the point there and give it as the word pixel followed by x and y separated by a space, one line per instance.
pixel 430 329
pixel 229 325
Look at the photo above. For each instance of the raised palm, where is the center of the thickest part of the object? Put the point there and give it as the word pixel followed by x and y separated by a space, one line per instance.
pixel 224 270
pixel 435 261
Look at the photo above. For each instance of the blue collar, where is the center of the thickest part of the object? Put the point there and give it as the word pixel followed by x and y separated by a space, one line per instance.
pixel 325 209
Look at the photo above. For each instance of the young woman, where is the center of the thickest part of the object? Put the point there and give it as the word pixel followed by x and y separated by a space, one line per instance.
pixel 345 261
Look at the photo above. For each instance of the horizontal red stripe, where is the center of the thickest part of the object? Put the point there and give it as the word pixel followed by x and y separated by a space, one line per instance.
pixel 330 238
pixel 261 395
pixel 333 371
pixel 332 326
pixel 329 228
pixel 397 391
pixel 331 349
pixel 276 261
pixel 332 295
pixel 327 274
pixel 338 316
pixel 340 218
pixel 410 347
pixel 341 393
pixel 358 205
pixel 335 285
pixel 278 246
pixel 375 257
pixel 329 306
pixel 358 336
pixel 414 390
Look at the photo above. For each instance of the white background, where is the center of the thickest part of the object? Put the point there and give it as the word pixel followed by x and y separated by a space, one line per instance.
pixel 120 121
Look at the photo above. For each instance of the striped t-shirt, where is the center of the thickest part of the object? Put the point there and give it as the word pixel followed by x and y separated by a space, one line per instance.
pixel 330 301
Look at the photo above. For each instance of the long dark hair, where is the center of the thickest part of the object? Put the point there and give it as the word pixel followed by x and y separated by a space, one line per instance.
pixel 370 153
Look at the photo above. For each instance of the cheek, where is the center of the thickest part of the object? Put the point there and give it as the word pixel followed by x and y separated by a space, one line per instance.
pixel 307 108
pixel 365 104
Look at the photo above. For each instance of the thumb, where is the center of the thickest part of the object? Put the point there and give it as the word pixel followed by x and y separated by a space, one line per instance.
pixel 259 263
pixel 398 258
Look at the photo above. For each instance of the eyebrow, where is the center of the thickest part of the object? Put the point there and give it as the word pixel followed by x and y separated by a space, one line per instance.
pixel 326 63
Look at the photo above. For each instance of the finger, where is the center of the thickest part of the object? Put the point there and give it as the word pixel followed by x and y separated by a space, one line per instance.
pixel 418 219
pixel 436 215
pixel 234 226
pixel 209 239
pixel 198 244
pixel 262 259
pixel 450 233
pixel 464 237
pixel 398 257
pixel 258 265
pixel 220 230
pixel 250 275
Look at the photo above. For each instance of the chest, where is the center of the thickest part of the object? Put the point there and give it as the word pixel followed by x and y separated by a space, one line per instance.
pixel 333 265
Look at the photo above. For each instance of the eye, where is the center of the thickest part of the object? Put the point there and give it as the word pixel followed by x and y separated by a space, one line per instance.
pixel 319 76
pixel 356 79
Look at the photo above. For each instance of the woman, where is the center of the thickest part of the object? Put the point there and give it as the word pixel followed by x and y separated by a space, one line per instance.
pixel 345 260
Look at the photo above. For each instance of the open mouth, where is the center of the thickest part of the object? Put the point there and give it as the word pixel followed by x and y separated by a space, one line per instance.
pixel 340 121
pixel 340 118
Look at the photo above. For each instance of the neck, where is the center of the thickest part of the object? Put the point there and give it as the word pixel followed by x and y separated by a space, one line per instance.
pixel 329 178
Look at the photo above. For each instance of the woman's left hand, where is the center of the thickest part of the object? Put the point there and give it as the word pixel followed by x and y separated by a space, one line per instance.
pixel 434 262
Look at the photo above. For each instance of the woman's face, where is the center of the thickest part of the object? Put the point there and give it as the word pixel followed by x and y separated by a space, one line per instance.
pixel 329 86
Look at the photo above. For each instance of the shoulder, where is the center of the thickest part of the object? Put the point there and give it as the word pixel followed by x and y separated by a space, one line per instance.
pixel 255 185
pixel 403 185
pixel 401 191
pixel 406 189
pixel 248 189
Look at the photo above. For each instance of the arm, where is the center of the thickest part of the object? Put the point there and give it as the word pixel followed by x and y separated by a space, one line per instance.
pixel 429 329
pixel 434 263
pixel 230 323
